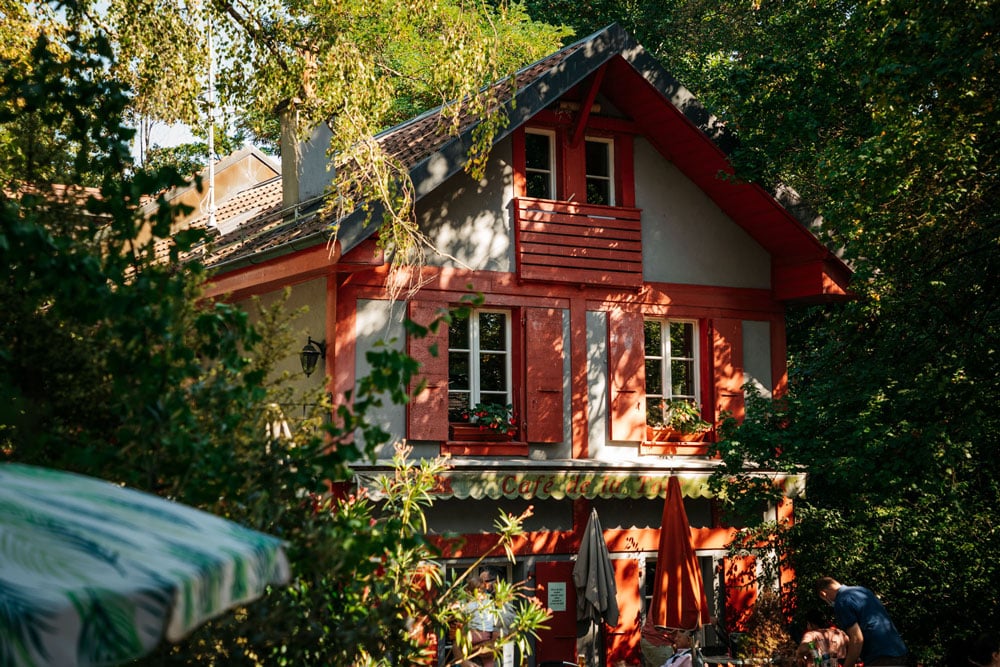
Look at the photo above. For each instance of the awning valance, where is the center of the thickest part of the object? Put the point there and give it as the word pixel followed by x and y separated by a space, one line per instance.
pixel 560 484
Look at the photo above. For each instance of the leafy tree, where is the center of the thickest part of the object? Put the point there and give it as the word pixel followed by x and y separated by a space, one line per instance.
pixel 112 364
pixel 883 115
pixel 359 66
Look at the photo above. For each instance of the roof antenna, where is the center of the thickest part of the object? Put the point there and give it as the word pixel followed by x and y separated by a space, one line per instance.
pixel 211 122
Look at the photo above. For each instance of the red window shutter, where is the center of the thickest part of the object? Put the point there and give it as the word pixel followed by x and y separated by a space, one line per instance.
pixel 427 416
pixel 544 374
pixel 727 353
pixel 627 371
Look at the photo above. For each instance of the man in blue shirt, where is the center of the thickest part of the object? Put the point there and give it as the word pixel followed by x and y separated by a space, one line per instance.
pixel 873 637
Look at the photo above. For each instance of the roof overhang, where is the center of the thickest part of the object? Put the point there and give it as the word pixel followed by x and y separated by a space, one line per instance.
pixel 292 267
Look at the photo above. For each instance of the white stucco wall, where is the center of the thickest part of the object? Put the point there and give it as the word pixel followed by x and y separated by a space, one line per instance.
pixel 470 221
pixel 309 322
pixel 598 444
pixel 757 356
pixel 380 322
pixel 686 238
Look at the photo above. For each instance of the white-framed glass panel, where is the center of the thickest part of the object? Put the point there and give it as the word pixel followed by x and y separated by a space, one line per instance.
pixel 671 356
pixel 479 361
pixel 600 160
pixel 540 164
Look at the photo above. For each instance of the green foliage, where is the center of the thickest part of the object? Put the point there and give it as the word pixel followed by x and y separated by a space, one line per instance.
pixel 678 415
pixel 112 364
pixel 883 116
pixel 358 66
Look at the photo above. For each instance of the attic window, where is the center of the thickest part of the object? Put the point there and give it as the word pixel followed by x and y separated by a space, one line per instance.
pixel 540 172
pixel 600 179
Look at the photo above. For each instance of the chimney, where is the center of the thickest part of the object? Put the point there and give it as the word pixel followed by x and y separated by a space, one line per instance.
pixel 306 171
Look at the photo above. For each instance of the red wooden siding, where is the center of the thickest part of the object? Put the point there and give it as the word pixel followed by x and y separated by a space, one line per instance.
pixel 544 374
pixel 623 639
pixel 427 413
pixel 578 243
pixel 627 369
pixel 741 591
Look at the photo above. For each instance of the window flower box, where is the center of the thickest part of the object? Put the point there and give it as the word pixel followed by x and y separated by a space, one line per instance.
pixel 667 434
pixel 475 433
pixel 676 421
pixel 488 422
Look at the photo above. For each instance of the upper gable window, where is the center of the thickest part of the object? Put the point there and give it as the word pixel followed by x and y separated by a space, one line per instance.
pixel 540 171
pixel 599 159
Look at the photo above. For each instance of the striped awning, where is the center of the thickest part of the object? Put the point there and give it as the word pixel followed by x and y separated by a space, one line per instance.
pixel 567 483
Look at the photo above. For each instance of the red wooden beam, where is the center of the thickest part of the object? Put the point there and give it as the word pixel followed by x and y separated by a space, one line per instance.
pixel 588 103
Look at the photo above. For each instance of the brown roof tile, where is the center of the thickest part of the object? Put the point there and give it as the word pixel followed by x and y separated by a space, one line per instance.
pixel 411 143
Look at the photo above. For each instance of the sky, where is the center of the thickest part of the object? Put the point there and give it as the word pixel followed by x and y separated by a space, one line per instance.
pixel 164 136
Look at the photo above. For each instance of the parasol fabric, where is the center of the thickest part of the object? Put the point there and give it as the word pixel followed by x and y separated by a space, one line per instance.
pixel 678 591
pixel 96 574
pixel 594 576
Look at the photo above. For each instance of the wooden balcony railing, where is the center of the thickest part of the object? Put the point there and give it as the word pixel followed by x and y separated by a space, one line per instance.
pixel 569 242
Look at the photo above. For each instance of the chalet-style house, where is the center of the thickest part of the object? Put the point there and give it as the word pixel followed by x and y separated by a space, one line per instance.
pixel 620 273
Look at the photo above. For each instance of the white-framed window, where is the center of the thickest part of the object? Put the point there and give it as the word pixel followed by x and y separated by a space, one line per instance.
pixel 479 361
pixel 671 355
pixel 600 160
pixel 540 164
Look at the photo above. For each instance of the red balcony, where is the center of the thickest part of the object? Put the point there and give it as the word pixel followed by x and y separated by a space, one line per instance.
pixel 569 242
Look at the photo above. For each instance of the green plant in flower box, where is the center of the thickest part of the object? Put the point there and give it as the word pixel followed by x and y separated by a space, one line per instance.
pixel 680 415
pixel 493 417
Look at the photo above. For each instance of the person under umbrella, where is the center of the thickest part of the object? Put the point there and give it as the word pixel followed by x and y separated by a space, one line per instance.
pixel 683 642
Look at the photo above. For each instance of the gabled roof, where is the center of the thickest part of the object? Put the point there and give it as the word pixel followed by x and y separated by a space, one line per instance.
pixel 666 113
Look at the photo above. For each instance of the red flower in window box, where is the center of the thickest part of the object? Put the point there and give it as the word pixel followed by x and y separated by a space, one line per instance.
pixel 487 421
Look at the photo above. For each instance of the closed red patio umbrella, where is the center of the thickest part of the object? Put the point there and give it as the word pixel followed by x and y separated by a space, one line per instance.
pixel 678 591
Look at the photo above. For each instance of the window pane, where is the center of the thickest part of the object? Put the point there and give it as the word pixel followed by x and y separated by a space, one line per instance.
pixel 598 162
pixel 478 362
pixel 654 411
pixel 653 330
pixel 492 331
pixel 682 378
pixel 538 185
pixel 458 371
pixel 458 333
pixel 682 339
pixel 654 377
pixel 458 407
pixel 598 191
pixel 536 151
pixel 495 399
pixel 493 372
